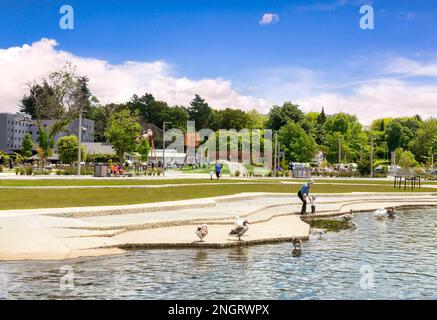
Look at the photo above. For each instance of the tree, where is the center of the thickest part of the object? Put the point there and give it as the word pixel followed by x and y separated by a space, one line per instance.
pixel 200 112
pixel 27 145
pixel 256 120
pixel 298 145
pixel 279 116
pixel 45 145
pixel 423 145
pixel 122 131
pixel 143 149
pixel 67 149
pixel 400 131
pixel 407 160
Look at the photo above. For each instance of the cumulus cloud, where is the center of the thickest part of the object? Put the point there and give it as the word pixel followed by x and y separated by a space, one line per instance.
pixel 378 98
pixel 414 68
pixel 111 82
pixel 269 18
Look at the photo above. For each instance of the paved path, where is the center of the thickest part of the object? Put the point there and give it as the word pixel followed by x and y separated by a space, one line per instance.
pixel 75 232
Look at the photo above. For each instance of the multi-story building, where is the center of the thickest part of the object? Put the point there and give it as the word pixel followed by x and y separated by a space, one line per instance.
pixel 13 128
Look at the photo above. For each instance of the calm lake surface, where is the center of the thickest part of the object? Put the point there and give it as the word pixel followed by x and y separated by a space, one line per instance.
pixel 388 259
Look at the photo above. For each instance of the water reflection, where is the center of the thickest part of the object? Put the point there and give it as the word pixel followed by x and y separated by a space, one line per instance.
pixel 400 254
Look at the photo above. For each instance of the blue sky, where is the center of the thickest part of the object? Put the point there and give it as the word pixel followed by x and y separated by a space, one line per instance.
pixel 315 48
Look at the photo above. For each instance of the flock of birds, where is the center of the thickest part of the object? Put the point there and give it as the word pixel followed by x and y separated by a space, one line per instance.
pixel 241 227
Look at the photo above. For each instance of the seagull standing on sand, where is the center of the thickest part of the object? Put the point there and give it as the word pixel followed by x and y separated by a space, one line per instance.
pixel 202 232
pixel 240 230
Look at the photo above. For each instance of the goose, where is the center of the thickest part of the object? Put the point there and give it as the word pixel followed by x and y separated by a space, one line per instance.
pixel 380 213
pixel 240 230
pixel 238 222
pixel 391 212
pixel 202 231
pixel 348 217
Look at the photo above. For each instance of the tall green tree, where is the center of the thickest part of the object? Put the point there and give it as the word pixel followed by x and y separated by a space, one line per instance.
pixel 279 116
pixel 298 145
pixel 424 143
pixel 27 146
pixel 200 112
pixel 143 149
pixel 122 131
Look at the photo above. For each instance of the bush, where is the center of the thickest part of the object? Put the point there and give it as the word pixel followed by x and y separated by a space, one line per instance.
pixel 17 171
pixel 58 172
pixel 237 173
pixel 1 168
pixel 159 171
pixel 22 172
pixel 29 170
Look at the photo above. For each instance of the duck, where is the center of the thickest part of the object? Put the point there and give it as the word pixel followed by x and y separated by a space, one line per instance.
pixel 202 232
pixel 391 212
pixel 380 213
pixel 240 230
pixel 297 244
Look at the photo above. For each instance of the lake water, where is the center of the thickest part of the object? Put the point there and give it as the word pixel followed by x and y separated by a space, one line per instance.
pixel 389 259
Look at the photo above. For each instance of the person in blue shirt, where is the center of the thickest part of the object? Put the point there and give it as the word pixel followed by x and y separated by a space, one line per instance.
pixel 303 195
pixel 218 169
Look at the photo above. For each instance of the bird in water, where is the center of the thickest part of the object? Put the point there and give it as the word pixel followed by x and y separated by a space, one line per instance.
pixel 348 217
pixel 297 244
pixel 380 213
pixel 319 232
pixel 202 232
pixel 240 230
pixel 391 213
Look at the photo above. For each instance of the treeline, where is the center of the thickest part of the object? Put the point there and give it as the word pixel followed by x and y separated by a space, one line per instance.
pixel 300 134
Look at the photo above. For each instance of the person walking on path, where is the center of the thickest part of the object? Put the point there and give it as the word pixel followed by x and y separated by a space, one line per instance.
pixel 218 169
pixel 303 195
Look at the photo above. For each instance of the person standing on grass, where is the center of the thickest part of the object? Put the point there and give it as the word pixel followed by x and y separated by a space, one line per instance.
pixel 218 169
pixel 303 195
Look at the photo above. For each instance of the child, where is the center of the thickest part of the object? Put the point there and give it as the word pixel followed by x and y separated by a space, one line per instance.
pixel 313 204
pixel 210 174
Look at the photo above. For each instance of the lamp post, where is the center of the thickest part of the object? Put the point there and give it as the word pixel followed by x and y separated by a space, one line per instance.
pixel 163 147
pixel 79 151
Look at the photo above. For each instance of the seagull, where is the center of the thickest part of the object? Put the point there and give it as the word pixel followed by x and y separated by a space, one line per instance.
pixel 348 217
pixel 391 212
pixel 319 232
pixel 380 213
pixel 240 230
pixel 238 222
pixel 202 231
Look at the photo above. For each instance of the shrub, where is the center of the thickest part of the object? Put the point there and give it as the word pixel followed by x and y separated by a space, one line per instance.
pixel 159 171
pixel 29 170
pixel 237 173
pixel 58 172
pixel 22 172
pixel 1 168
pixel 17 171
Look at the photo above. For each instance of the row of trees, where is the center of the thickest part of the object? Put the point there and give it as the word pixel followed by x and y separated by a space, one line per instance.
pixel 64 94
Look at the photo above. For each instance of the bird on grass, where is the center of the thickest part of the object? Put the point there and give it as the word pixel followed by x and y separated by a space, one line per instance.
pixel 240 230
pixel 202 232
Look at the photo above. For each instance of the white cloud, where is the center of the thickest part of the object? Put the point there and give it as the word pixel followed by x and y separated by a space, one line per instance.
pixel 410 67
pixel 269 18
pixel 110 82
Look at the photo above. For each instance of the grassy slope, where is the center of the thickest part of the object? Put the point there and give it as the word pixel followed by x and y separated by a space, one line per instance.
pixel 34 198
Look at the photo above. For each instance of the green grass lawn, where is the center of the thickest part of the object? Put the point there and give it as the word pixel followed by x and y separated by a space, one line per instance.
pixel 58 198
pixel 188 169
